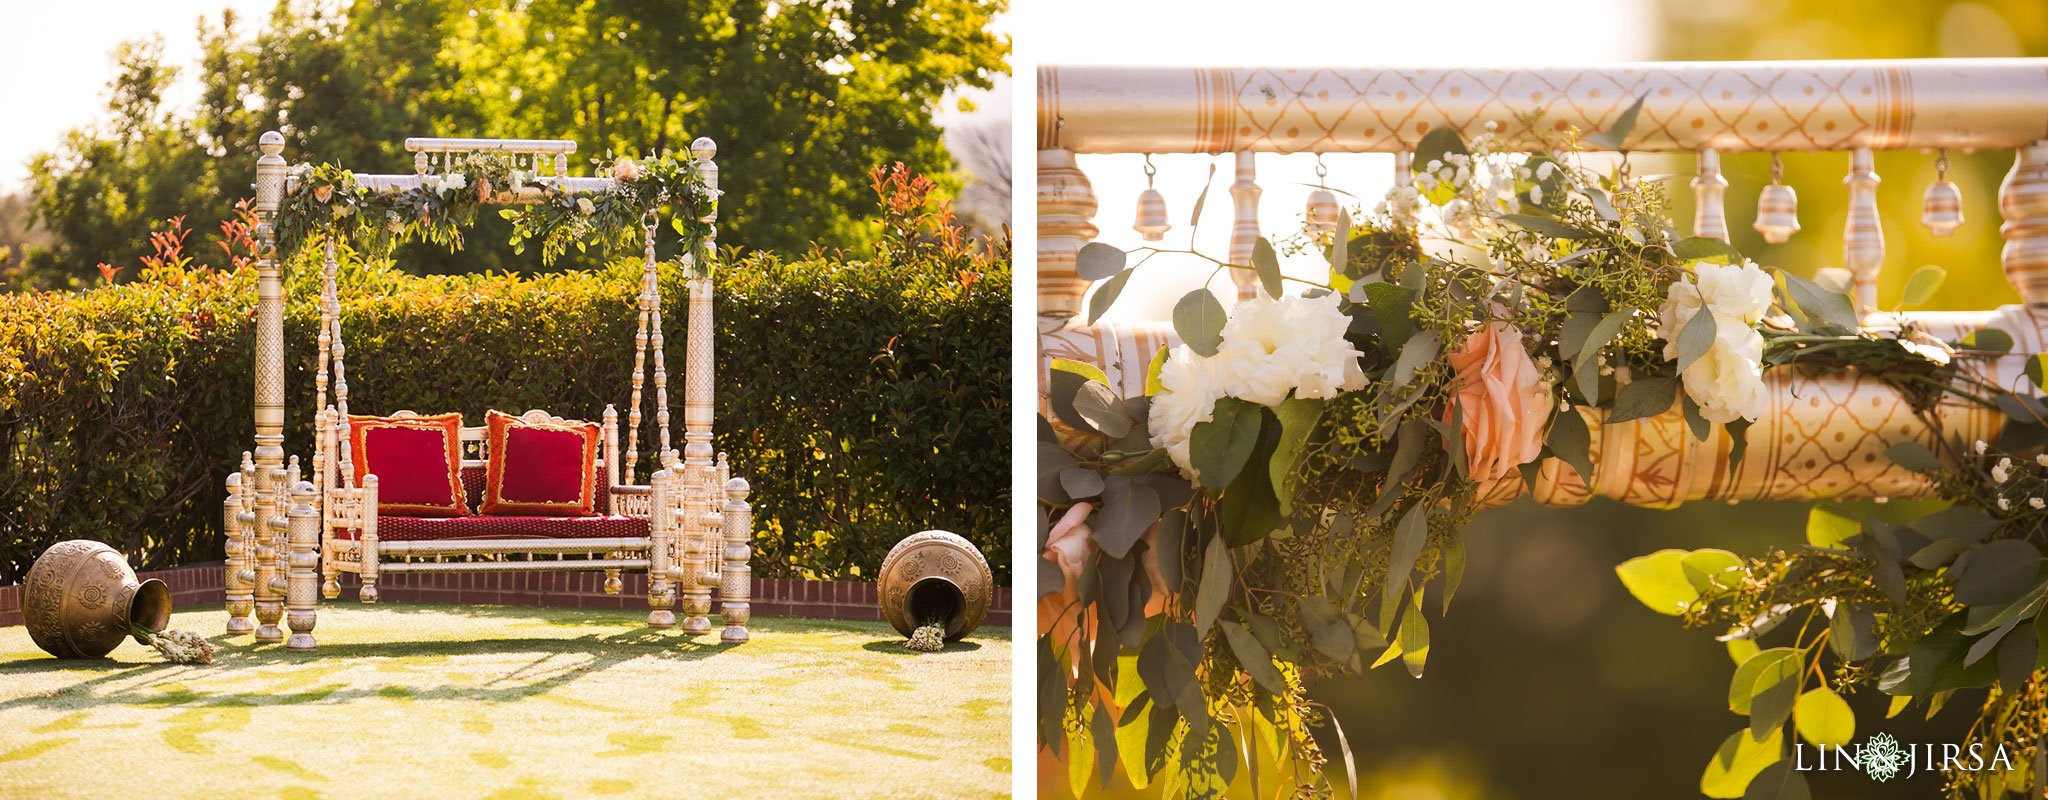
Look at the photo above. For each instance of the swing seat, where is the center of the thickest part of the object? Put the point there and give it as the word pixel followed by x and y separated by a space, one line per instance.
pixel 434 529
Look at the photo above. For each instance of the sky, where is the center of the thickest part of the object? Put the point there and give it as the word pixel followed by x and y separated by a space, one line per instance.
pixel 55 80
pixel 1469 33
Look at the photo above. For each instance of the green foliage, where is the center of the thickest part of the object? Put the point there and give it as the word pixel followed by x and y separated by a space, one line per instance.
pixel 793 93
pixel 864 399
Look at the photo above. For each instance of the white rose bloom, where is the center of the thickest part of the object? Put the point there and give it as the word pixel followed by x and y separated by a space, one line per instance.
pixel 583 204
pixel 1272 347
pixel 454 180
pixel 1728 381
pixel 1742 291
pixel 1189 389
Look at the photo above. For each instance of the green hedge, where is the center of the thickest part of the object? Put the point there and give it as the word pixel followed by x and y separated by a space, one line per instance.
pixel 864 400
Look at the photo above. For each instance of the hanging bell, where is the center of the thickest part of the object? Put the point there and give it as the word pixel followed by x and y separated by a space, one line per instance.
pixel 1942 210
pixel 1152 222
pixel 1323 213
pixel 1777 213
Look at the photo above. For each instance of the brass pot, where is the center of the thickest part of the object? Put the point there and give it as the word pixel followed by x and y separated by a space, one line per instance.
pixel 80 597
pixel 936 574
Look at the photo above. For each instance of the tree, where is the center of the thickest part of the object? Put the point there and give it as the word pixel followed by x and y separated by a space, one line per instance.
pixel 802 98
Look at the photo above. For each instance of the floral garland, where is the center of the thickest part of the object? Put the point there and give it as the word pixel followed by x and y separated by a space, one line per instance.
pixel 1272 510
pixel 327 201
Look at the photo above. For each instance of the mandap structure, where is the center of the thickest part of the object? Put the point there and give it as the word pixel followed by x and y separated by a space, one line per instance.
pixel 1173 549
pixel 289 538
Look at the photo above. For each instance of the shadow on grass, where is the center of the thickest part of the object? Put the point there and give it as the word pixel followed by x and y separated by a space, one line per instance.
pixel 895 647
pixel 161 684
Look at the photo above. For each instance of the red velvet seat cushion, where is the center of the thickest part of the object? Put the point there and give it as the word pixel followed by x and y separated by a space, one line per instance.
pixel 538 468
pixel 414 529
pixel 416 460
pixel 474 478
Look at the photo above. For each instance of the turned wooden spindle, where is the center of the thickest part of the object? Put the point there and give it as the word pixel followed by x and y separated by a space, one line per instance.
pixel 269 601
pixel 1244 228
pixel 269 334
pixel 2023 202
pixel 1066 213
pixel 1710 218
pixel 366 542
pixel 661 596
pixel 330 568
pixel 735 589
pixel 1863 241
pixel 302 590
pixel 240 600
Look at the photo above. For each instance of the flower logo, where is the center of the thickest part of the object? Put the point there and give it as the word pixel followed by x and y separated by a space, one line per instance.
pixel 1882 757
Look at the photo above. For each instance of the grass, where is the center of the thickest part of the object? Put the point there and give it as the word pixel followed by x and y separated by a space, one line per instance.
pixel 422 700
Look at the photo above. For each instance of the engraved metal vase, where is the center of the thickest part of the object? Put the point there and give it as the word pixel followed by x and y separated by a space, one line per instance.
pixel 939 575
pixel 81 596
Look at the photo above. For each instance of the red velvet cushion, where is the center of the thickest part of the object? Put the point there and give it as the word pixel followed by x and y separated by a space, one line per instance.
pixel 474 478
pixel 416 460
pixel 538 468
pixel 403 529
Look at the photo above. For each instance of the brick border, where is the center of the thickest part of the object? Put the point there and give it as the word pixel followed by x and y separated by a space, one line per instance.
pixel 201 585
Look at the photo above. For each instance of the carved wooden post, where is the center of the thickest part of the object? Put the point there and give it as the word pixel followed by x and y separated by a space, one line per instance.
pixel 1863 242
pixel 1066 210
pixel 698 410
pixel 269 518
pixel 303 586
pixel 661 596
pixel 1244 231
pixel 610 431
pixel 735 592
pixel 245 527
pixel 323 473
pixel 240 601
pixel 1709 218
pixel 2023 202
pixel 366 541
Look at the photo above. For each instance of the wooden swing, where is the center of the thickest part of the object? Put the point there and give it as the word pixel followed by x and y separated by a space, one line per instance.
pixel 289 539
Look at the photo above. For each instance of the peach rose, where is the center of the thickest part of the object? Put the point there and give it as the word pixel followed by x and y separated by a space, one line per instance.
pixel 1066 545
pixel 626 170
pixel 1504 399
pixel 323 193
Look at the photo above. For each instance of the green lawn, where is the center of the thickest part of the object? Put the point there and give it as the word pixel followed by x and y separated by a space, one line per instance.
pixel 422 700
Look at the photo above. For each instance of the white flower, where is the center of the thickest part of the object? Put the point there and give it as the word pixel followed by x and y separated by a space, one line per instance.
pixel 454 180
pixel 2004 504
pixel 1999 474
pixel 1926 345
pixel 1728 381
pixel 1980 447
pixel 583 205
pixel 1271 347
pixel 2037 503
pixel 2041 459
pixel 518 179
pixel 1545 169
pixel 1742 291
pixel 1189 389
pixel 1536 192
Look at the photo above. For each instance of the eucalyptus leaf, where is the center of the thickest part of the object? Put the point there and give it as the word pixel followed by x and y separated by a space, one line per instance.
pixel 1106 294
pixel 1105 744
pixel 1990 340
pixel 1998 572
pixel 1253 657
pixel 1410 534
pixel 1219 448
pixel 1584 366
pixel 1702 248
pixel 1852 632
pixel 1097 261
pixel 1415 354
pixel 1821 304
pixel 1414 638
pixel 1572 442
pixel 1328 629
pixel 1214 589
pixel 1435 144
pixel 1738 761
pixel 1698 425
pixel 1617 133
pixel 1198 320
pixel 1778 781
pixel 1921 284
pixel 1081 482
pixel 1738 441
pixel 1914 456
pixel 1128 508
pixel 1454 568
pixel 1297 418
pixel 1267 263
pixel 1102 410
pixel 1646 397
pixel 1695 339
pixel 1392 306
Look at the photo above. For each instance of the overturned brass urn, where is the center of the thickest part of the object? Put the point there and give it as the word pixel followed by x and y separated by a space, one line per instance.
pixel 81 596
pixel 935 575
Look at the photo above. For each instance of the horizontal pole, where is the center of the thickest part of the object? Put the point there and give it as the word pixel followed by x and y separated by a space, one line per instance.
pixel 425 144
pixel 588 565
pixel 526 195
pixel 1731 107
pixel 454 547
